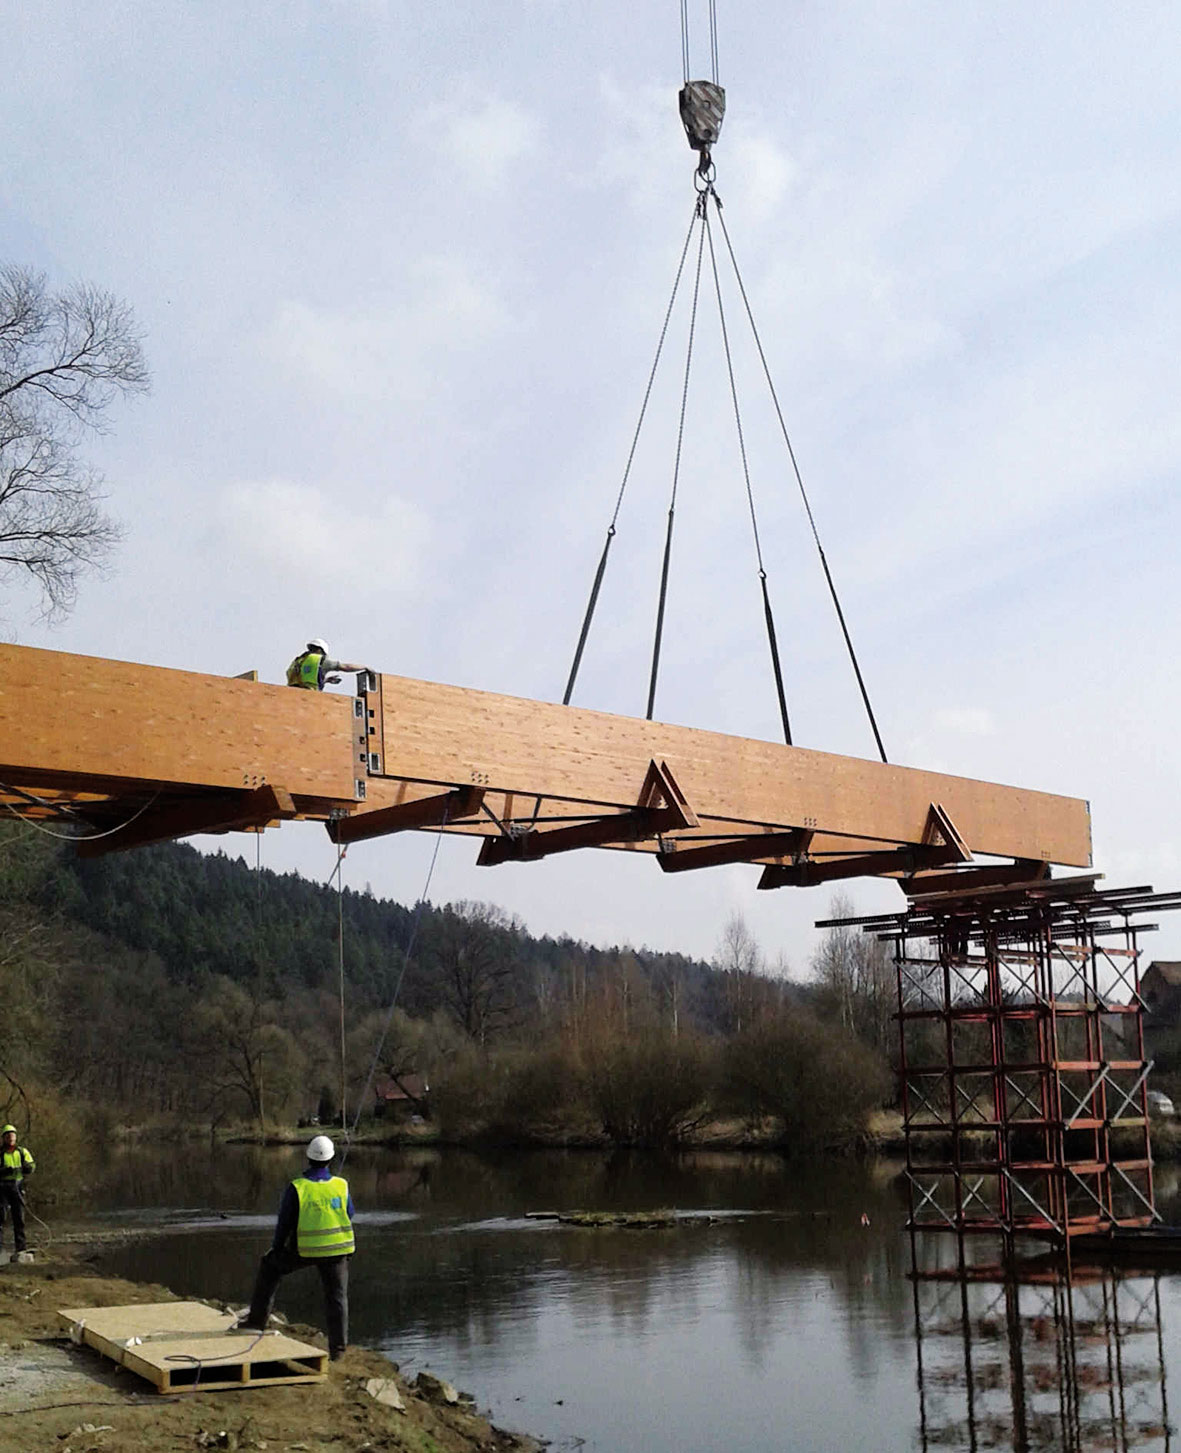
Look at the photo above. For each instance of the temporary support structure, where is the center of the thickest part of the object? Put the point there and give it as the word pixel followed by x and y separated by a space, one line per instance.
pixel 1021 1056
pixel 134 754
pixel 187 1346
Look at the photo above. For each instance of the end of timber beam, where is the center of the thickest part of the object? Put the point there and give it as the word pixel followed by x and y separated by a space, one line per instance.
pixel 426 812
pixel 216 812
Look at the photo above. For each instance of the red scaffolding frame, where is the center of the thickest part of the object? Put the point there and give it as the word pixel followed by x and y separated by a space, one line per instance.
pixel 1021 1057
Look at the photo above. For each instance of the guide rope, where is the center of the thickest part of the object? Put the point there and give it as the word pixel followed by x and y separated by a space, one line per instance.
pixel 389 1019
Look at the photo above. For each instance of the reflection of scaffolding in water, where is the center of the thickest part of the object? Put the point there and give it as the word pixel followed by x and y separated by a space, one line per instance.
pixel 1028 1357
pixel 1021 1056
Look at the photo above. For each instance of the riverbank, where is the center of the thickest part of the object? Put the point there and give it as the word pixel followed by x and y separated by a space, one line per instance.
pixel 56 1395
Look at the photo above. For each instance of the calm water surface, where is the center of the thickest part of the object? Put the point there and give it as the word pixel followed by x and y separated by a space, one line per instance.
pixel 769 1317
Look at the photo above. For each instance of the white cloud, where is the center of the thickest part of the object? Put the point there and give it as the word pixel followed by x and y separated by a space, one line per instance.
pixel 967 721
pixel 297 532
pixel 483 141
pixel 369 351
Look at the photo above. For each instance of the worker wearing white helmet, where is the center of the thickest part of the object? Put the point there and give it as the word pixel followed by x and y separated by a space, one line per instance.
pixel 312 668
pixel 314 1228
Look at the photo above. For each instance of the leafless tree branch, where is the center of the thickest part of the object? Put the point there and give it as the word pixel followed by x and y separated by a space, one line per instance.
pixel 64 358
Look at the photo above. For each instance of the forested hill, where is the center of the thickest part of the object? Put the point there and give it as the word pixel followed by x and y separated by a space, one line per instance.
pixel 209 914
pixel 170 983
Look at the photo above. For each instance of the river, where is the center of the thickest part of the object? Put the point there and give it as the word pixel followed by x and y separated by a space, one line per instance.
pixel 776 1314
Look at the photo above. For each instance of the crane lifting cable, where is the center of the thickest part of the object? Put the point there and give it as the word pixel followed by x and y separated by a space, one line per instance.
pixel 702 105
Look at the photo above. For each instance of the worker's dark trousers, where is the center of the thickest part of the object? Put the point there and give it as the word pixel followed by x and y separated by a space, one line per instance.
pixel 334 1278
pixel 12 1200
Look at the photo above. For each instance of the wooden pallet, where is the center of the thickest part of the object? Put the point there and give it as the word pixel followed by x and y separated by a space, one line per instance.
pixel 189 1347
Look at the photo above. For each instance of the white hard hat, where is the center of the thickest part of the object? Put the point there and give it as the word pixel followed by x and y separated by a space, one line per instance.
pixel 317 643
pixel 321 1148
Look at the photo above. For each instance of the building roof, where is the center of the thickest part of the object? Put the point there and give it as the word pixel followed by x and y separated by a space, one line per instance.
pixel 1169 970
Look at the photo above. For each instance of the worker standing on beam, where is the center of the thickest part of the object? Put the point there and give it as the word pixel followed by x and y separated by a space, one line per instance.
pixel 16 1165
pixel 312 668
pixel 314 1228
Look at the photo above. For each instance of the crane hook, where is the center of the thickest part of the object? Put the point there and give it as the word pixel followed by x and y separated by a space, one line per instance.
pixel 703 105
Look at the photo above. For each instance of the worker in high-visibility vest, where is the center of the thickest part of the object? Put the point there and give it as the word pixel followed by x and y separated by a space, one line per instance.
pixel 314 1228
pixel 313 667
pixel 16 1165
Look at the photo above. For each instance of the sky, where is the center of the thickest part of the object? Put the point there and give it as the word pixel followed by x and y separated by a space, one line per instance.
pixel 401 268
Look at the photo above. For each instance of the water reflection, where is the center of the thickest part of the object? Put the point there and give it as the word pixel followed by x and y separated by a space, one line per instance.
pixel 1029 1356
pixel 771 1317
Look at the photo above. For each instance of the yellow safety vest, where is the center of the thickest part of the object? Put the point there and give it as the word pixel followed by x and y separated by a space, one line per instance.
pixel 304 671
pixel 324 1225
pixel 15 1165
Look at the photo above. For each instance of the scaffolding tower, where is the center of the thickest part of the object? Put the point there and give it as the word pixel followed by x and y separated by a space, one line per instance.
pixel 1021 1056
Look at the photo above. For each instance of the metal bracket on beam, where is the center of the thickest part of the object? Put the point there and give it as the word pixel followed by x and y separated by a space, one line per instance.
pixel 645 820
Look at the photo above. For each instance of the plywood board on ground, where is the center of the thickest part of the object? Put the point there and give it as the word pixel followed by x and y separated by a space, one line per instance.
pixel 449 735
pixel 187 1346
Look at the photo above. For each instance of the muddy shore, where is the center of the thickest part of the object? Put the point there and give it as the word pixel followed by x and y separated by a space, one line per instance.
pixel 54 1395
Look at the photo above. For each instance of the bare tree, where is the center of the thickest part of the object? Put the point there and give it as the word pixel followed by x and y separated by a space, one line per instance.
pixel 476 962
pixel 63 359
pixel 856 974
pixel 740 960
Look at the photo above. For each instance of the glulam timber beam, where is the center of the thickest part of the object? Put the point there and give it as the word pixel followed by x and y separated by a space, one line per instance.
pixel 438 734
pixel 220 812
pixel 86 724
pixel 101 740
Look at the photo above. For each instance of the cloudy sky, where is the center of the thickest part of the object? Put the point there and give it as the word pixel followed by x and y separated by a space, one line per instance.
pixel 401 268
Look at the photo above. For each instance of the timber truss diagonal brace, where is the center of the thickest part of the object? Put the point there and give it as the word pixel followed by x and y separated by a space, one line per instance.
pixel 941 845
pixel 425 812
pixel 214 812
pixel 660 808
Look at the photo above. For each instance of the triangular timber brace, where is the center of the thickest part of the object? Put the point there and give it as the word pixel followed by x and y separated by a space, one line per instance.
pixel 661 808
pixel 941 846
pixel 212 812
pixel 426 812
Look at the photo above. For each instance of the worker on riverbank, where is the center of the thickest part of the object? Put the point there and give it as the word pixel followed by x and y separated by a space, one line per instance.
pixel 16 1165
pixel 312 668
pixel 314 1228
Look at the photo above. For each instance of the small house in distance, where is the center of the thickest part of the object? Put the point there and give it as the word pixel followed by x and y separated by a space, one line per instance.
pixel 401 1096
pixel 1160 988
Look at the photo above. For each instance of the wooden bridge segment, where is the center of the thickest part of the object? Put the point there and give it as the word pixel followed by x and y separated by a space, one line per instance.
pixel 146 753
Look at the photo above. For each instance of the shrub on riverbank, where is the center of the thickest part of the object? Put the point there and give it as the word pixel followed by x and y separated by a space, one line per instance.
pixel 818 1080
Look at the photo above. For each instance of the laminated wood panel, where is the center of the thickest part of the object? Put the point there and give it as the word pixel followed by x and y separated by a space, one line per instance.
pixel 163 1342
pixel 79 721
pixel 451 736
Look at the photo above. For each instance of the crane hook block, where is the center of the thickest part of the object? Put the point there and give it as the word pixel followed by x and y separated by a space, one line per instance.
pixel 703 104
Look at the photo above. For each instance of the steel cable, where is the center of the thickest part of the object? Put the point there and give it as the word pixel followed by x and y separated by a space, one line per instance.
pixel 803 492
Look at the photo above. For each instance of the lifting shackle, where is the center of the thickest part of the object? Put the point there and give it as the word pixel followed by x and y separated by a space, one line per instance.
pixel 703 105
